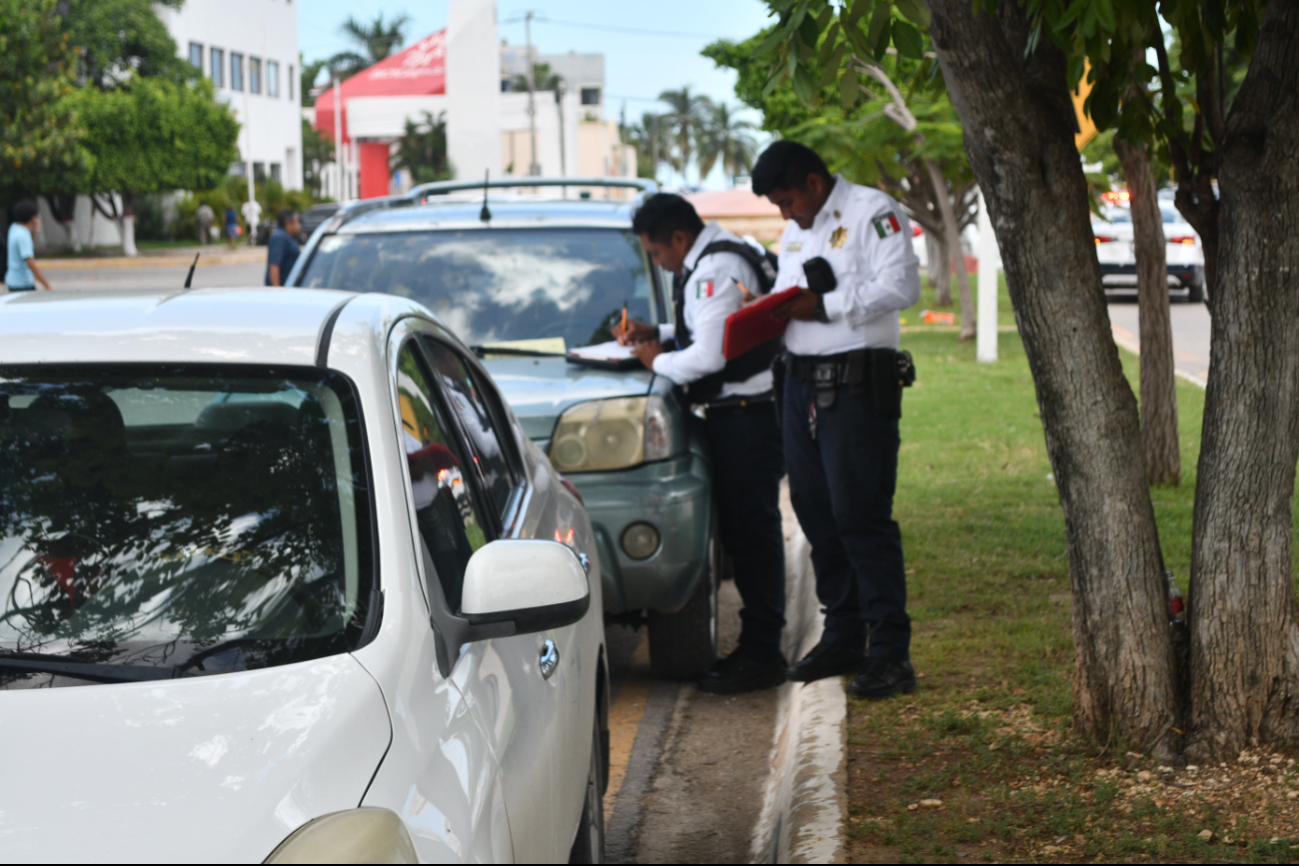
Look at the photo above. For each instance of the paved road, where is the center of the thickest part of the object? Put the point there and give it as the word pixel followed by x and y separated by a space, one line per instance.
pixel 87 277
pixel 1190 335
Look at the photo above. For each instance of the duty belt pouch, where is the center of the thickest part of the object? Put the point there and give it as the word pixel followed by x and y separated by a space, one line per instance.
pixel 887 379
pixel 825 384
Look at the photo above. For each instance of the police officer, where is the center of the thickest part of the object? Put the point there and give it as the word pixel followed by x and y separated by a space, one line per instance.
pixel 714 270
pixel 848 248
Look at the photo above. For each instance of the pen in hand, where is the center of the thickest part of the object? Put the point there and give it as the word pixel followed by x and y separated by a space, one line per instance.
pixel 622 335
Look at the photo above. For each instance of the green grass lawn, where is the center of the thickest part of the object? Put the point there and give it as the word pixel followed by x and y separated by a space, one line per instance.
pixel 986 739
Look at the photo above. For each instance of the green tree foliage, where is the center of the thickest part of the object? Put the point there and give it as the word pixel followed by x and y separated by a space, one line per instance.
pixel 727 138
pixel 317 152
pixel 310 72
pixel 118 38
pixel 376 40
pixel 152 135
pixel 422 149
pixel 40 139
pixel 684 122
pixel 649 136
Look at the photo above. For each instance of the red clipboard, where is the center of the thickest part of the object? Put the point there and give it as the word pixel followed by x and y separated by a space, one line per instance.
pixel 752 325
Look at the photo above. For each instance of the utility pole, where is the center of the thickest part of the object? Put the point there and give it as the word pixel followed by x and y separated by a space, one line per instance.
pixel 534 168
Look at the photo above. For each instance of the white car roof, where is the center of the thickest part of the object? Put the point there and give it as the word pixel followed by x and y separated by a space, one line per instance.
pixel 236 325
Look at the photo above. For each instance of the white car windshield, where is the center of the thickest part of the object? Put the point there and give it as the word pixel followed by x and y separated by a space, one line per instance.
pixel 543 289
pixel 190 520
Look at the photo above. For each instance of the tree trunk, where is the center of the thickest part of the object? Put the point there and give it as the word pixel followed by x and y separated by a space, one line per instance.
pixel 952 234
pixel 1158 385
pixel 936 253
pixel 1244 634
pixel 1020 143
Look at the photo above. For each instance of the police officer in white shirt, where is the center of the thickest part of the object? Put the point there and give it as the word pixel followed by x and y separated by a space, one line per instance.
pixel 715 270
pixel 848 248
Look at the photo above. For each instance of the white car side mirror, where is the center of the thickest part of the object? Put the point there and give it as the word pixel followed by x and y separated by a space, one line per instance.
pixel 537 585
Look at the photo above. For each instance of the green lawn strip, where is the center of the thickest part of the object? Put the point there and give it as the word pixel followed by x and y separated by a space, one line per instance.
pixel 1005 314
pixel 986 739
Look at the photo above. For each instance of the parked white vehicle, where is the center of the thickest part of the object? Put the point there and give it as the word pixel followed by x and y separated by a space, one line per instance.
pixel 1118 261
pixel 281 577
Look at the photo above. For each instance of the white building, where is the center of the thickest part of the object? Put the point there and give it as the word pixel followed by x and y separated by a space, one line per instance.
pixel 465 76
pixel 249 49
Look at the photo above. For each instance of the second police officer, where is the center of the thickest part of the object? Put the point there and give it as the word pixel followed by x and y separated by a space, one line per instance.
pixel 848 248
pixel 714 271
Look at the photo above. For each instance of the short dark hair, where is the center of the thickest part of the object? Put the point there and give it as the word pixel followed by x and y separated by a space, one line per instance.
pixel 786 165
pixel 663 214
pixel 282 218
pixel 24 210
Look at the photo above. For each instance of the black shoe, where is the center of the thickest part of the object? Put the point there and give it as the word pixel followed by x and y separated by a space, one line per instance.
pixel 826 660
pixel 883 678
pixel 739 673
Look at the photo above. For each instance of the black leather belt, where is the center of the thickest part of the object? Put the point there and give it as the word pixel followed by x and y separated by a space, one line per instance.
pixel 817 368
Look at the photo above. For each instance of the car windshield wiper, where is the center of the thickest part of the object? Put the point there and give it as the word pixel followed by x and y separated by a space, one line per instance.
pixel 482 351
pixel 99 672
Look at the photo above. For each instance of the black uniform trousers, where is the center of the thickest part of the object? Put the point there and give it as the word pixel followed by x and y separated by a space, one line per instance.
pixel 841 484
pixel 748 463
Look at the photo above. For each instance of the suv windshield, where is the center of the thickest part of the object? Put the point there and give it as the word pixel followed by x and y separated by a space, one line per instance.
pixel 542 289
pixel 193 519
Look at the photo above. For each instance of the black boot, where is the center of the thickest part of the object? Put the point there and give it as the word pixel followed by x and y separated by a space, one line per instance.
pixel 739 673
pixel 827 660
pixel 883 678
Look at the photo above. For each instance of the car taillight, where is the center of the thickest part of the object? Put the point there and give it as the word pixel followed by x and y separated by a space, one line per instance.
pixel 1104 239
pixel 568 485
pixel 1187 241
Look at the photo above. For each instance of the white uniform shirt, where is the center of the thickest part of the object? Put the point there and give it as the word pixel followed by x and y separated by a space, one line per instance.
pixel 865 236
pixel 711 296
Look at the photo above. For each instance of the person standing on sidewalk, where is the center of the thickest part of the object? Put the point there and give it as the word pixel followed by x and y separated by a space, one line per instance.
pixel 252 211
pixel 231 226
pixel 21 273
pixel 282 249
pixel 714 269
pixel 204 217
pixel 848 248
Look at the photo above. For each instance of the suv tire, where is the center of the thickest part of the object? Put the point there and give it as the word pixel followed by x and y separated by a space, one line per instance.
pixel 683 645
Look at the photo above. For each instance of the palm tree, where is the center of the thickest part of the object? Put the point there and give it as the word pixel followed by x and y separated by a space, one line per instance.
pixel 684 123
pixel 647 136
pixel 377 39
pixel 727 138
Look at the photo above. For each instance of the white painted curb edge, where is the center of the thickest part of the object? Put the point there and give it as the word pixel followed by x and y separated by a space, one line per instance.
pixel 805 802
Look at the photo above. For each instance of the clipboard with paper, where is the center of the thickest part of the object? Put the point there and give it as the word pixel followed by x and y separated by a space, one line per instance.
pixel 753 324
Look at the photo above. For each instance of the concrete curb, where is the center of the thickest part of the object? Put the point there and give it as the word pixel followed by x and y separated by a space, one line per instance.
pixel 240 257
pixel 805 803
pixel 1135 348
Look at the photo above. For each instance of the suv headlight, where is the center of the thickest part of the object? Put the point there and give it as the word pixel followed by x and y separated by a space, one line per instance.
pixel 612 434
pixel 365 835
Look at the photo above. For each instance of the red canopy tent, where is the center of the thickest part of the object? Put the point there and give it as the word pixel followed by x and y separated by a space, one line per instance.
pixel 419 70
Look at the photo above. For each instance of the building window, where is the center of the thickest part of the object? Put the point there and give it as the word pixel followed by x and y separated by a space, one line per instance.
pixel 259 172
pixel 590 96
pixel 275 172
pixel 218 68
pixel 196 56
pixel 289 81
pixel 273 79
pixel 236 71
pixel 254 75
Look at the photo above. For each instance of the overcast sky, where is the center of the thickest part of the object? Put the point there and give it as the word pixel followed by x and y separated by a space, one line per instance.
pixel 647 47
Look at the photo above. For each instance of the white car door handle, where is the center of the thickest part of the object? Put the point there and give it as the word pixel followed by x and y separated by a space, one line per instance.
pixel 549 660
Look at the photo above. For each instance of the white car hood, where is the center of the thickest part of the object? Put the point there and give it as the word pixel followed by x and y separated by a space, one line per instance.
pixel 217 768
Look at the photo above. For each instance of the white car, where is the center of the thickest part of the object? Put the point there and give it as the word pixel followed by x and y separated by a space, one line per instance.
pixel 281 577
pixel 1118 261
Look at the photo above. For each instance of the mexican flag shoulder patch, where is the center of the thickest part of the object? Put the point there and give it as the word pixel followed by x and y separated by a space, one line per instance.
pixel 704 289
pixel 886 225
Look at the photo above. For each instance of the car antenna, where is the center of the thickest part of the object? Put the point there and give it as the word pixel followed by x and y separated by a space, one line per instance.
pixel 486 213
pixel 189 278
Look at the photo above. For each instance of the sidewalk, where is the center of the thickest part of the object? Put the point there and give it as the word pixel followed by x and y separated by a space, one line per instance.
pixel 213 254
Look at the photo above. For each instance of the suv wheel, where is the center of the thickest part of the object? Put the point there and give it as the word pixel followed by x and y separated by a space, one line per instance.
pixel 683 645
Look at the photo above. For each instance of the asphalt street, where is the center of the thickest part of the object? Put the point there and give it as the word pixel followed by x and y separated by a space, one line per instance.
pixel 1190 335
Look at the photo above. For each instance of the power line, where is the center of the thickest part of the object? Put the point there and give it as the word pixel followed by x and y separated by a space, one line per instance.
pixel 616 29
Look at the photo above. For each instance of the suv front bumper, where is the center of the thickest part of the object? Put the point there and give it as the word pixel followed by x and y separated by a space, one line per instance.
pixel 672 496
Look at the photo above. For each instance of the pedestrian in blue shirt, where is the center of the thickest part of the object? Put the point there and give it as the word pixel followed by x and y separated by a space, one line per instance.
pixel 283 249
pixel 21 273
pixel 231 226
